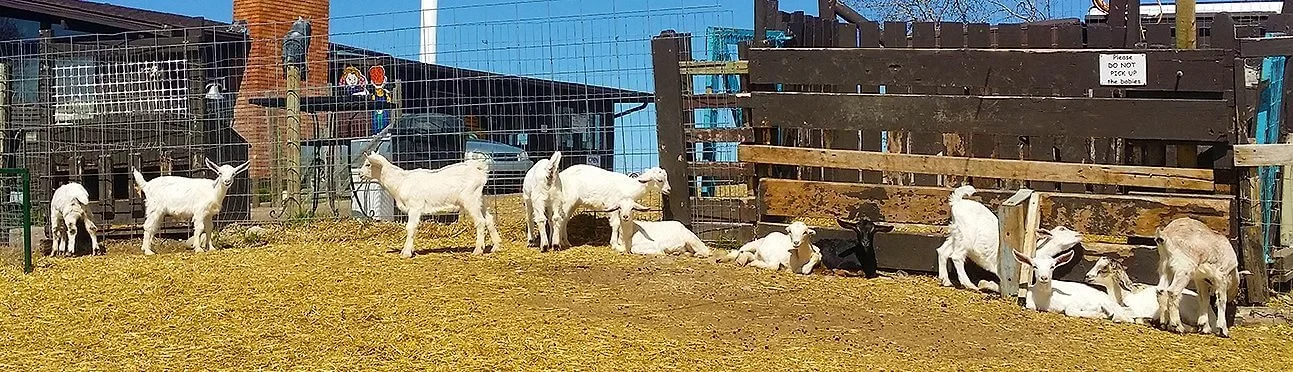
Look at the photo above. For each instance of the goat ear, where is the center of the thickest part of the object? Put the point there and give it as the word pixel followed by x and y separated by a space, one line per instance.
pixel 212 165
pixel 640 207
pixel 616 208
pixel 1064 258
pixel 242 167
pixel 1022 258
pixel 846 224
pixel 883 228
pixel 1043 233
pixel 811 232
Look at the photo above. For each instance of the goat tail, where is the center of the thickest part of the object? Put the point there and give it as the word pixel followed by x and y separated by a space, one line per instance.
pixel 139 181
pixel 83 199
pixel 961 192
pixel 555 159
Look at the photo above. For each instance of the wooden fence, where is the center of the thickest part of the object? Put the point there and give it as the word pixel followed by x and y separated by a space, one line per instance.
pixel 873 120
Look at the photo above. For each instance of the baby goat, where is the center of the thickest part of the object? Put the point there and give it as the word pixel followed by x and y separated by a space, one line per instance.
pixel 1140 299
pixel 594 188
pixel 664 237
pixel 197 198
pixel 795 252
pixel 858 257
pixel 1057 296
pixel 539 194
pixel 974 233
pixel 1189 250
pixel 455 187
pixel 66 208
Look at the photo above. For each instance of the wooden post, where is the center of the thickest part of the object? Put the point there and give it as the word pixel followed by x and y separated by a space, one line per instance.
pixel 1185 28
pixel 1252 251
pixel 1247 204
pixel 1286 202
pixel 665 51
pixel 1013 215
pixel 1187 156
pixel 292 144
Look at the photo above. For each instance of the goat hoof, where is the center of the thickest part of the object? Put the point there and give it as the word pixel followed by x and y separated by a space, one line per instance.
pixel 149 253
pixel 1224 333
pixel 406 254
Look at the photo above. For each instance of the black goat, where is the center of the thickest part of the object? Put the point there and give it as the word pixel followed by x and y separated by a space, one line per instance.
pixel 848 260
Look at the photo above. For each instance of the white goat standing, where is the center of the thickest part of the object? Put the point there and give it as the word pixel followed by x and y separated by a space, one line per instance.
pixel 455 187
pixel 540 192
pixel 586 186
pixel 1058 296
pixel 199 199
pixel 66 208
pixel 795 251
pixel 1189 249
pixel 1141 299
pixel 974 233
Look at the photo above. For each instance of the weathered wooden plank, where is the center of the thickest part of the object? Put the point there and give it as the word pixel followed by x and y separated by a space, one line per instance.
pixel 713 67
pixel 1014 228
pixel 1253 155
pixel 1192 120
pixel 742 134
pixel 1158 177
pixel 1102 215
pixel 1266 47
pixel 1131 215
pixel 891 203
pixel 1066 70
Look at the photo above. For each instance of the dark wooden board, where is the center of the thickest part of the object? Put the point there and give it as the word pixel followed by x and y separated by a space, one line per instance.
pixel 1070 72
pixel 1192 120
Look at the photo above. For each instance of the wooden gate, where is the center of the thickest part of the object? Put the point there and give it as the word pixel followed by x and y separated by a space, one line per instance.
pixel 1116 133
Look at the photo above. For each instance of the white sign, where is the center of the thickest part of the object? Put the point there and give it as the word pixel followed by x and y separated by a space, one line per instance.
pixel 593 160
pixel 1122 69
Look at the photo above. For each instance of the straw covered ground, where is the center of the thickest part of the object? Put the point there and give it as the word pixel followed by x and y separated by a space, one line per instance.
pixel 338 296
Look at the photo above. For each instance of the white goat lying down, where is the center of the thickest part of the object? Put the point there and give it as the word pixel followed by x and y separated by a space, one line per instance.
pixel 586 186
pixel 455 187
pixel 794 252
pixel 657 237
pixel 975 234
pixel 66 208
pixel 197 198
pixel 540 193
pixel 1057 296
pixel 1140 299
pixel 1189 250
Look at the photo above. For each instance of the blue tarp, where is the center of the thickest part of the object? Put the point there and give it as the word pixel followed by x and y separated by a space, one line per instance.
pixel 1268 124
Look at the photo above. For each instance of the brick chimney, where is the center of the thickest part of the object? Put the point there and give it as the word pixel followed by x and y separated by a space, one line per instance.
pixel 267 22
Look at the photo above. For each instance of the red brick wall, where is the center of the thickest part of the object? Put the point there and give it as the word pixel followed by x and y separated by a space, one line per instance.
pixel 267 22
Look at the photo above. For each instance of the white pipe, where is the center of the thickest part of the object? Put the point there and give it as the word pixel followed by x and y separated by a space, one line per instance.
pixel 430 8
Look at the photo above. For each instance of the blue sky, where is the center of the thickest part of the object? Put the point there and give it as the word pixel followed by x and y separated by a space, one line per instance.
pixel 601 42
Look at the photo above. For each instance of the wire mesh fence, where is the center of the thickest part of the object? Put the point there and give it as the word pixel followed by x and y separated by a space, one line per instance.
pixel 15 218
pixel 302 100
